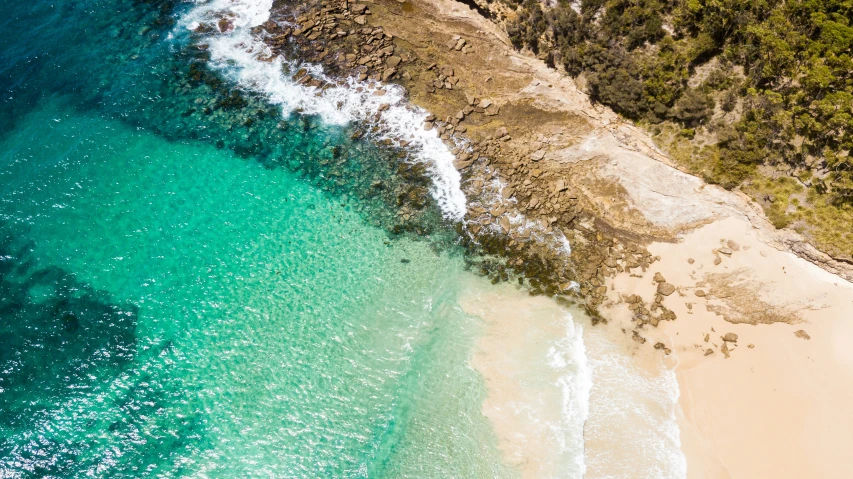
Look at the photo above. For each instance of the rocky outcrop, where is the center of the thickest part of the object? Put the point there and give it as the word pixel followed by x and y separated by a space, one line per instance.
pixel 513 230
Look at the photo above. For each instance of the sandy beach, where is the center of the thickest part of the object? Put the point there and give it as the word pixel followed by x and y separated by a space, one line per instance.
pixel 524 402
pixel 778 406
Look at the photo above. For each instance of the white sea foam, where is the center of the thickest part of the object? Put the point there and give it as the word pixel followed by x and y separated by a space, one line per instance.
pixel 248 62
pixel 568 356
pixel 631 430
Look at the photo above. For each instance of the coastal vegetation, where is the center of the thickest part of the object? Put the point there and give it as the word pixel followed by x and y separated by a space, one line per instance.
pixel 755 95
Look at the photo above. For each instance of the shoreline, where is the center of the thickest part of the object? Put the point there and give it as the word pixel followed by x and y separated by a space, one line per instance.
pixel 773 400
pixel 568 399
pixel 569 169
pixel 531 357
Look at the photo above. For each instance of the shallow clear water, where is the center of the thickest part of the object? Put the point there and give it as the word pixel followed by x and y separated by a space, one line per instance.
pixel 267 329
pixel 195 285
pixel 174 305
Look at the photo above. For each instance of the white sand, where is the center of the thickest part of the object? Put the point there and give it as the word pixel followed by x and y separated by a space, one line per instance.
pixel 781 409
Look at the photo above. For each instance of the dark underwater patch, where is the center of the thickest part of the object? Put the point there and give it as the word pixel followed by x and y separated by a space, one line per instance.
pixel 65 348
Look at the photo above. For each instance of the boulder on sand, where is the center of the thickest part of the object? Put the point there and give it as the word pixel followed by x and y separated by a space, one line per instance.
pixel 665 289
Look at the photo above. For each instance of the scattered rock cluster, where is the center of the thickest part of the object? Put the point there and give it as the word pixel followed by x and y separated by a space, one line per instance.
pixel 458 44
pixel 651 313
pixel 337 35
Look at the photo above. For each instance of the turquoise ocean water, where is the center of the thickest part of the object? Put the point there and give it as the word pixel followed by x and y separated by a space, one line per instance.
pixel 183 297
pixel 208 271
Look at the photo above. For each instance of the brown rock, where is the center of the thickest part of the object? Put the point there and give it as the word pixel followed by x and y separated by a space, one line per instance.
pixel 665 289
pixel 463 161
pixel 361 20
pixel 226 25
pixel 709 352
pixel 699 293
pixel 393 61
pixel 690 261
pixel 730 337
pixel 802 334
pixel 725 350
pixel 659 278
pixel 532 203
pixel 505 226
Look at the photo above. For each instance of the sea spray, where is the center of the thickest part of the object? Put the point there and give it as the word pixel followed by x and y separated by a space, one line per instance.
pixel 491 196
pixel 247 61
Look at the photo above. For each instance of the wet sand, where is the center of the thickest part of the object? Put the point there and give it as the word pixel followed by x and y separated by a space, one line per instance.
pixel 567 399
pixel 516 356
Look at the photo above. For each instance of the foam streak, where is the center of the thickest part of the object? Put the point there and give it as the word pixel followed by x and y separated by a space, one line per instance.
pixel 248 61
